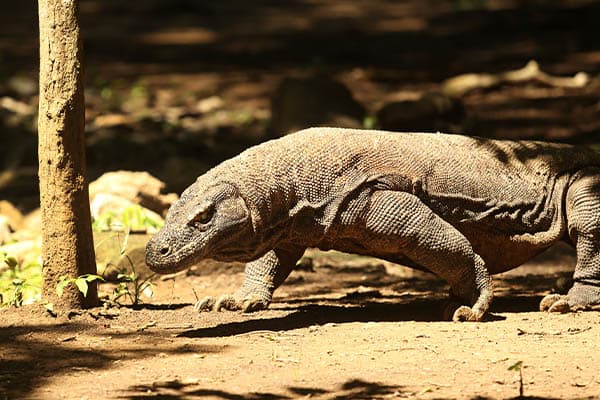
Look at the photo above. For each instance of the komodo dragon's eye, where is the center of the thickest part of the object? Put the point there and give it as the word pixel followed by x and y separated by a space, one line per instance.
pixel 203 216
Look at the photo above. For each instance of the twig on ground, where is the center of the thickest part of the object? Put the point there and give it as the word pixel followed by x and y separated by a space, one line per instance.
pixel 461 84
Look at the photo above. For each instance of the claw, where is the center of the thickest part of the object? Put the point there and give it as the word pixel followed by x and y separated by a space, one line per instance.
pixel 464 313
pixel 548 303
pixel 206 304
pixel 456 311
pixel 227 302
pixel 561 306
pixel 254 303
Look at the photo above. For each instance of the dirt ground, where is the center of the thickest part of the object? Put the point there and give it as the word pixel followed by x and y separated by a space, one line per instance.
pixel 349 328
pixel 353 327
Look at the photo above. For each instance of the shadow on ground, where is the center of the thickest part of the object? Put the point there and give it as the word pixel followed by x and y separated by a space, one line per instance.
pixel 417 309
pixel 305 316
pixel 34 354
pixel 31 355
pixel 352 389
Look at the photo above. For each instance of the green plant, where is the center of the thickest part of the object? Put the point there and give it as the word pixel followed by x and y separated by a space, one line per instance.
pixel 20 283
pixel 518 366
pixel 131 284
pixel 132 219
pixel 81 282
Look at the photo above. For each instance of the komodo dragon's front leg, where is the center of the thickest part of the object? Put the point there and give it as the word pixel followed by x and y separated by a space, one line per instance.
pixel 583 218
pixel 261 278
pixel 400 222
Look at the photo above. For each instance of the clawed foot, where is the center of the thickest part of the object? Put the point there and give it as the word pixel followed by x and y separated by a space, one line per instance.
pixel 464 313
pixel 555 303
pixel 562 304
pixel 581 297
pixel 455 311
pixel 230 302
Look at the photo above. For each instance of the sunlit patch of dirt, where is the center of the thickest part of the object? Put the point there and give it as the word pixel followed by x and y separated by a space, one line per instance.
pixel 350 328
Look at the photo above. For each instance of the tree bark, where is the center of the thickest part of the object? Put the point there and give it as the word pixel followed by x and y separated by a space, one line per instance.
pixel 67 248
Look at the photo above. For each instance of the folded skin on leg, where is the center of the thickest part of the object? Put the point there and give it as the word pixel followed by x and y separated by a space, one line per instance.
pixel 261 278
pixel 583 217
pixel 400 222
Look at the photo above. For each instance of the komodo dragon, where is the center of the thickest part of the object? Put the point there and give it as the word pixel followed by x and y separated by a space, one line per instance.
pixel 460 207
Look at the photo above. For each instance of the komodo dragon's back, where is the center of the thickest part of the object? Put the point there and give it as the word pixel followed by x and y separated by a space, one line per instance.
pixel 461 207
pixel 505 196
pixel 476 168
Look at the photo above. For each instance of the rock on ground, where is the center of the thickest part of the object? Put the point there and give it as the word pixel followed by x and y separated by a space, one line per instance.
pixel 137 187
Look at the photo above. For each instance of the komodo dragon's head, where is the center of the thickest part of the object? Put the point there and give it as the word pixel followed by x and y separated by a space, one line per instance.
pixel 208 221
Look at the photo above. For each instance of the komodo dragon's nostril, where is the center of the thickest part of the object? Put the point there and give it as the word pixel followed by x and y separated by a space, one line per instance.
pixel 165 250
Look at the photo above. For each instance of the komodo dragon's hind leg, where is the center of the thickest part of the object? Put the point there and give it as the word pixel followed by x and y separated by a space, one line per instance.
pixel 400 222
pixel 261 278
pixel 583 217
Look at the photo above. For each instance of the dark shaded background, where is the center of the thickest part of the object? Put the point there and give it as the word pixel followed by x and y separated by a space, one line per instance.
pixel 175 86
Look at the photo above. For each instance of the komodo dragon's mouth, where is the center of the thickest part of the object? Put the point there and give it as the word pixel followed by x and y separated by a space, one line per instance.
pixel 170 261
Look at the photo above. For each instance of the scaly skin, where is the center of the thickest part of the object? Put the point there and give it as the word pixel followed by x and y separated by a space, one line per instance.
pixel 461 207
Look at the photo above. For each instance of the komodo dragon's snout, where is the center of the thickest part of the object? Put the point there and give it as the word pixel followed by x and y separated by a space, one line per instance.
pixel 204 223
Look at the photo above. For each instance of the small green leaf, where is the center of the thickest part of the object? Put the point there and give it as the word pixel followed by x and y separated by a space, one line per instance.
pixel 92 277
pixel 126 277
pixel 11 262
pixel 60 287
pixel 516 366
pixel 17 282
pixel 123 250
pixel 82 285
pixel 50 308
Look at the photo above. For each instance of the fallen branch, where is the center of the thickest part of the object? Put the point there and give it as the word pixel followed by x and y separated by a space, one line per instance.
pixel 462 84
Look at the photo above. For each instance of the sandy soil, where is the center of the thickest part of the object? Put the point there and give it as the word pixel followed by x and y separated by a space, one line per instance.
pixel 351 328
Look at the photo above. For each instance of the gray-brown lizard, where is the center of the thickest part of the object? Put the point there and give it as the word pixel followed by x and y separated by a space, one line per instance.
pixel 460 207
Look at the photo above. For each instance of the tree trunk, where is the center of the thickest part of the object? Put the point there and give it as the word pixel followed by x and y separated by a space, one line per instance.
pixel 68 248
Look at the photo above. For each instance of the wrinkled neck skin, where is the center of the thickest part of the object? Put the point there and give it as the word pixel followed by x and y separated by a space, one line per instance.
pixel 278 206
pixel 281 211
pixel 271 223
